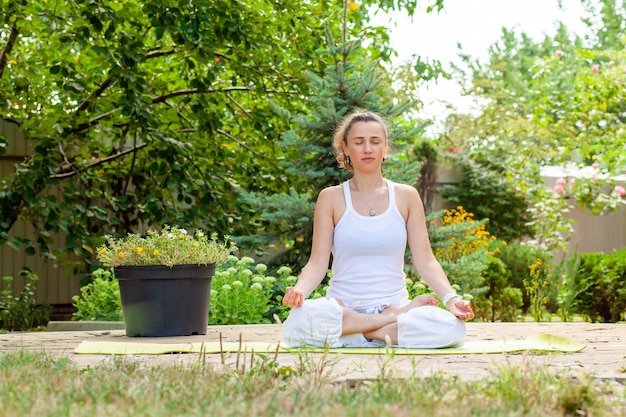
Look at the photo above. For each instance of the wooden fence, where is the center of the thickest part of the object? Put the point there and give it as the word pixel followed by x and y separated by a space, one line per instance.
pixel 56 285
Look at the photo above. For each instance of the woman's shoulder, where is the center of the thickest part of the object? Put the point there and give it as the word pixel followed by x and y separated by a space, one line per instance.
pixel 333 189
pixel 403 189
pixel 332 192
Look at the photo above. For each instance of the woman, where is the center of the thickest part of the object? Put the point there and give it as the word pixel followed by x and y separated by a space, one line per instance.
pixel 366 223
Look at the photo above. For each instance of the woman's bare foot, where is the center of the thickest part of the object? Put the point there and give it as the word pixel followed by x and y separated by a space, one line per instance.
pixel 419 301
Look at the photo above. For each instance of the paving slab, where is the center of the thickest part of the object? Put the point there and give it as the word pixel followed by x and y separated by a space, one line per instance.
pixel 603 357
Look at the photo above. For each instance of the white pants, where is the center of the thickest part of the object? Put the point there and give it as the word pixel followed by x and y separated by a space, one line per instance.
pixel 318 323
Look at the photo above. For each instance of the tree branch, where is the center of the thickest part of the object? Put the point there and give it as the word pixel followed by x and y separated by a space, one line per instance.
pixel 179 93
pixel 242 144
pixel 67 171
pixel 8 47
pixel 95 94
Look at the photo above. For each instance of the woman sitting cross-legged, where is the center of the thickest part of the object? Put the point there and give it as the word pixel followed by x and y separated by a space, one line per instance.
pixel 366 224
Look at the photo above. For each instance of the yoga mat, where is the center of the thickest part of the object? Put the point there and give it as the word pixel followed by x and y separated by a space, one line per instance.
pixel 539 342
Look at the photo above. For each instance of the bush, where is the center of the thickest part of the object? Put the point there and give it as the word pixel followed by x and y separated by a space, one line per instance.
pixel 100 299
pixel 487 192
pixel 599 285
pixel 241 293
pixel 22 312
pixel 462 247
pixel 501 302
pixel 518 259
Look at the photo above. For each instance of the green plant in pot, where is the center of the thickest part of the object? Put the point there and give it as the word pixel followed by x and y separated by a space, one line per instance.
pixel 165 279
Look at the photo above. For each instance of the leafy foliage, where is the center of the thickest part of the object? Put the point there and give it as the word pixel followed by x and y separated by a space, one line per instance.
pixel 461 245
pixel 600 286
pixel 169 246
pixel 486 191
pixel 148 113
pixel 287 219
pixel 518 257
pixel 501 302
pixel 22 312
pixel 242 292
pixel 100 299
pixel 558 101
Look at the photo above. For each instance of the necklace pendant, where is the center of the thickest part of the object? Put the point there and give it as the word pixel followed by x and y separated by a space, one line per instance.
pixel 372 212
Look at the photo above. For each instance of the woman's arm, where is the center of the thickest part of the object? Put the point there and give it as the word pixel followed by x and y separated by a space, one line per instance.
pixel 315 270
pixel 424 260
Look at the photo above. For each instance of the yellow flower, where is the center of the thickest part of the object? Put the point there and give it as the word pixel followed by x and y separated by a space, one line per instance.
pixel 139 250
pixel 121 255
pixel 155 252
pixel 103 250
pixel 352 6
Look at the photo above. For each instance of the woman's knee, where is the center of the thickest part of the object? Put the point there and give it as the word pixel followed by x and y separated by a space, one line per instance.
pixel 317 323
pixel 430 327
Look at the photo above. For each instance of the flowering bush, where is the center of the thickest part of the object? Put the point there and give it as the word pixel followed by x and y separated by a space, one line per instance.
pixel 595 191
pixel 461 244
pixel 240 292
pixel 540 287
pixel 169 246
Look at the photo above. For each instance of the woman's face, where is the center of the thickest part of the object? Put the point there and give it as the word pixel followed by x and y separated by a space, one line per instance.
pixel 366 145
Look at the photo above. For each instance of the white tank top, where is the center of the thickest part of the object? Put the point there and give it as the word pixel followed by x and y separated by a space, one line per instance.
pixel 368 256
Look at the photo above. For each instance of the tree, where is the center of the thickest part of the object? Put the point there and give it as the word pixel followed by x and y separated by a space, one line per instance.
pixel 154 112
pixel 344 87
pixel 554 102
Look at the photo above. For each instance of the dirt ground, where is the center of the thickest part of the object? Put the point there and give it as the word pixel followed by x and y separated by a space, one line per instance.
pixel 604 356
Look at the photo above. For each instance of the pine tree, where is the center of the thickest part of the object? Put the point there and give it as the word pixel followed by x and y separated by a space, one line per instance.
pixel 347 84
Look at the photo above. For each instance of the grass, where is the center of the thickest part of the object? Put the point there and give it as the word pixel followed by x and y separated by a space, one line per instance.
pixel 37 384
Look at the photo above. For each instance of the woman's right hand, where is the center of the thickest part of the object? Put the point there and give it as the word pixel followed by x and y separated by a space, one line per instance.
pixel 293 298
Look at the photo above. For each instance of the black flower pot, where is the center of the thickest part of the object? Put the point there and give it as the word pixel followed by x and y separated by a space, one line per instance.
pixel 163 301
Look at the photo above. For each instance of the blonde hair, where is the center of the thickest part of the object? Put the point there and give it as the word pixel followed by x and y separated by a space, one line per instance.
pixel 341 134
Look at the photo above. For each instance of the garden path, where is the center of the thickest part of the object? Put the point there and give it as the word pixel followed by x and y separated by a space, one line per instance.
pixel 603 357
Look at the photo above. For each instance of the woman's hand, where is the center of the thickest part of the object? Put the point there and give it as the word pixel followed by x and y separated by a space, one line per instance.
pixel 293 298
pixel 461 308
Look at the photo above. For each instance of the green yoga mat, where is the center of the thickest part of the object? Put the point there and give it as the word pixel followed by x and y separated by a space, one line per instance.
pixel 539 342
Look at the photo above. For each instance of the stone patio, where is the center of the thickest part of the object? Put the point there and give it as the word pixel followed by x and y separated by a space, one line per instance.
pixel 604 356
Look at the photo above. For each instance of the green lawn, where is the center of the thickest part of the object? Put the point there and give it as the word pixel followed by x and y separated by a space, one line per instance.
pixel 40 385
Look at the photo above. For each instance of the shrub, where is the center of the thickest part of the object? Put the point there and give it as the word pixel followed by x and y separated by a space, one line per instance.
pixel 487 192
pixel 461 244
pixel 518 258
pixel 501 302
pixel 540 287
pixel 600 286
pixel 22 312
pixel 240 292
pixel 100 299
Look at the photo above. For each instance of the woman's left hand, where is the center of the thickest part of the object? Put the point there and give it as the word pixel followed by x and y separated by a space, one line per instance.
pixel 461 308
